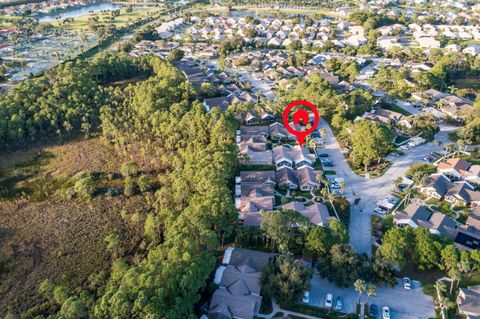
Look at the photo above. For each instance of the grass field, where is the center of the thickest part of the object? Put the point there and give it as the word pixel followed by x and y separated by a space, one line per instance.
pixel 125 18
pixel 395 108
pixel 45 236
pixel 287 11
pixel 468 83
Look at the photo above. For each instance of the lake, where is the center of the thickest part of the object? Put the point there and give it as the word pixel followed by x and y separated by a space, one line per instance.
pixel 80 11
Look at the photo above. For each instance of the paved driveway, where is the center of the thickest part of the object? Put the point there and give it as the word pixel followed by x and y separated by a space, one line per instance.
pixel 403 304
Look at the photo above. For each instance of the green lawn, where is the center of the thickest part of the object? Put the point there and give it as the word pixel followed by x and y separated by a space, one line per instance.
pixel 468 83
pixel 472 281
pixel 395 108
pixel 329 172
pixel 474 161
pixel 252 167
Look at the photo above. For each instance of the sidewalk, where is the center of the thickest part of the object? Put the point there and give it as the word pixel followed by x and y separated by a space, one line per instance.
pixel 276 309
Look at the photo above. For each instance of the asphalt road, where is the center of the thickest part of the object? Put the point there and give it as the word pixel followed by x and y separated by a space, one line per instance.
pixel 370 191
pixel 403 304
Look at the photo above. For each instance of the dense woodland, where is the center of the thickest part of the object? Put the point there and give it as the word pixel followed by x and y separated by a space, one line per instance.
pixel 160 127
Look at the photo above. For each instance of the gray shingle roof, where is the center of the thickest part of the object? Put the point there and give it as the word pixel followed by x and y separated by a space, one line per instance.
pixel 469 300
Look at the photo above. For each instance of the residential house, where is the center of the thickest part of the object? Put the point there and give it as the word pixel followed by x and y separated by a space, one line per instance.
pixel 238 295
pixel 460 169
pixel 455 106
pixel 473 49
pixel 317 213
pixel 454 168
pixel 462 194
pixel 428 96
pixel 416 215
pixel 221 102
pixel 255 197
pixel 287 177
pixel 435 185
pixel 428 42
pixel 302 156
pixel 307 178
pixel 253 145
pixel 278 132
pixel 282 156
pixel 382 116
pixel 469 302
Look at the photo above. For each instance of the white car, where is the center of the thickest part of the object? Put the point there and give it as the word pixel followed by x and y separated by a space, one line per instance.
pixel 380 211
pixel 306 297
pixel 329 301
pixel 385 312
pixel 406 283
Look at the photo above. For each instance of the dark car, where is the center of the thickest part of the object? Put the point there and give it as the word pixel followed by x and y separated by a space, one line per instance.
pixel 322 155
pixel 373 311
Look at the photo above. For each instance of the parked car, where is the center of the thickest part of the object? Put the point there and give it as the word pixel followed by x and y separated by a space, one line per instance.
pixel 392 200
pixel 338 304
pixel 406 283
pixel 322 155
pixel 326 162
pixel 385 312
pixel 380 211
pixel 373 311
pixel 306 297
pixel 427 159
pixel 329 301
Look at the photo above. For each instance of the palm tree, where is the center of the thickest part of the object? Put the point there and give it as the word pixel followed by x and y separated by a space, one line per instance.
pixel 360 287
pixel 323 132
pixel 371 291
pixel 449 148
pixel 397 181
pixel 445 303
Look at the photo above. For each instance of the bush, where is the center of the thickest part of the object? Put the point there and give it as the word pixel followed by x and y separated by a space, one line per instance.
pixel 84 187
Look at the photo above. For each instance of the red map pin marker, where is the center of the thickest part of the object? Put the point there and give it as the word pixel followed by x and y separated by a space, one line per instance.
pixel 300 115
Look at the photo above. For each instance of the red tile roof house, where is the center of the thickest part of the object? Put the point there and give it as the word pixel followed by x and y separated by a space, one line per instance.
pixel 460 169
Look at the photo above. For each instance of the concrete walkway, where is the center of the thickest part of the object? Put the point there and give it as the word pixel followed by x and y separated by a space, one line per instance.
pixel 276 309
